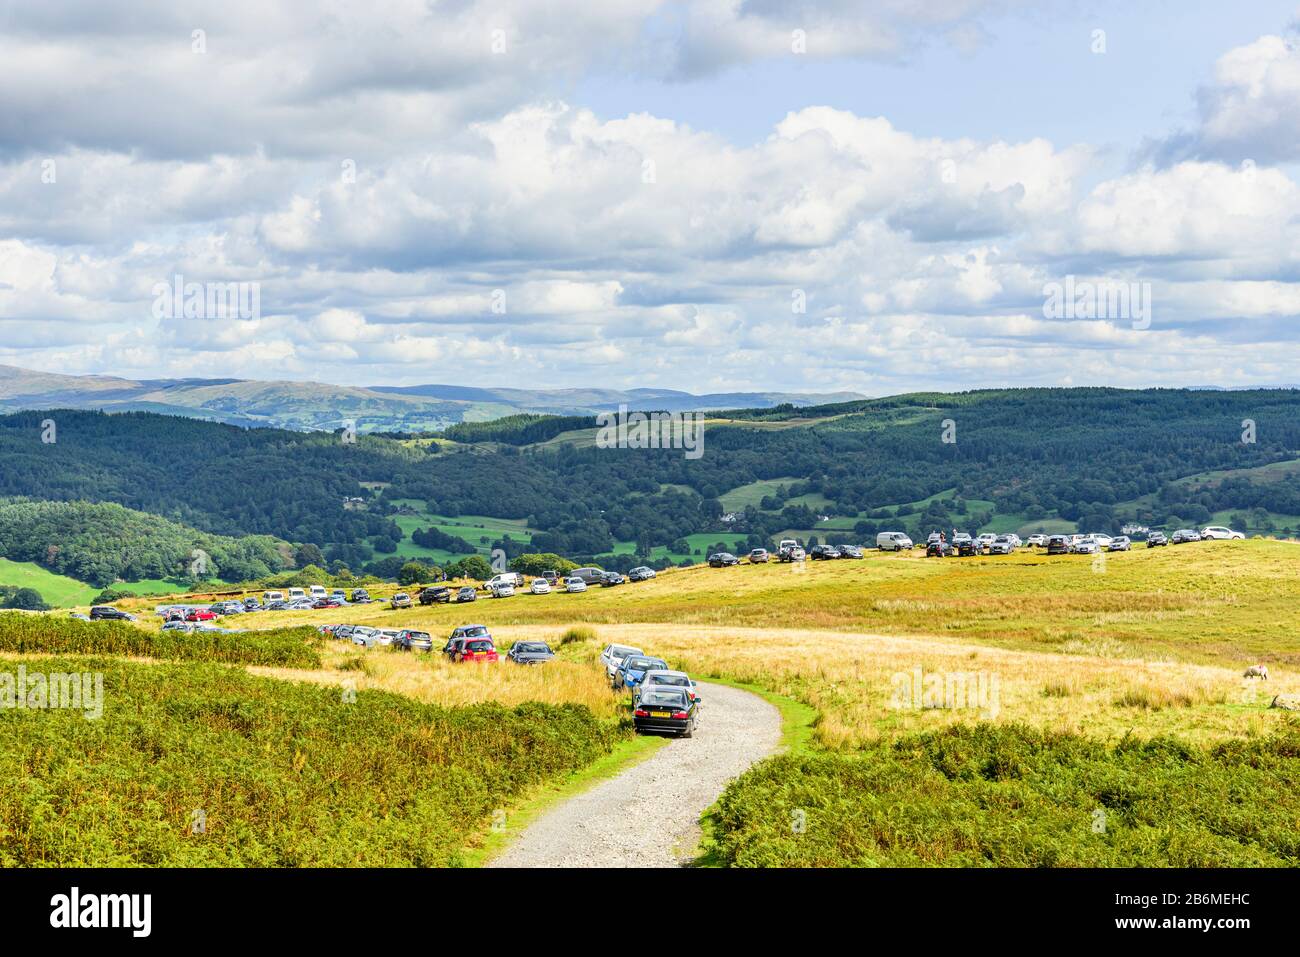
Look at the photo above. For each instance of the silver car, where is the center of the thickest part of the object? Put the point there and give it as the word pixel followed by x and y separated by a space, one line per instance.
pixel 1120 544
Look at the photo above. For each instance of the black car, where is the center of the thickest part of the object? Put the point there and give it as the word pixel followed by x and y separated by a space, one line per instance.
pixel 530 652
pixel 722 560
pixel 1058 545
pixel 665 708
pixel 850 551
pixel 468 593
pixel 107 613
pixel 937 548
pixel 965 545
pixel 435 593
pixel 360 597
pixel 1156 538
pixel 612 578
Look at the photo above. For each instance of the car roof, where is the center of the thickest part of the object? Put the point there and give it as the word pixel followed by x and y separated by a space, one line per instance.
pixel 666 672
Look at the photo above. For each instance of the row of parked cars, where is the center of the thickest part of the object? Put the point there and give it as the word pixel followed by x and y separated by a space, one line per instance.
pixel 466 643
pixel 507 584
pixel 663 700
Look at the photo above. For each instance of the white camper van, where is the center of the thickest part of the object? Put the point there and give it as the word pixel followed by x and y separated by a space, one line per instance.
pixel 270 596
pixel 296 593
pixel 318 592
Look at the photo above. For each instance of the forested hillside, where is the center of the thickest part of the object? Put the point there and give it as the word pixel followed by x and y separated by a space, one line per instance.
pixel 1088 458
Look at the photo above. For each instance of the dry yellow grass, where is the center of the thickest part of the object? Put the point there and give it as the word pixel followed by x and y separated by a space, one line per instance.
pixel 850 681
pixel 432 678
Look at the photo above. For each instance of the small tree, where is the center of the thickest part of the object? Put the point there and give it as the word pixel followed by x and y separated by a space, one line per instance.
pixel 28 599
pixel 413 573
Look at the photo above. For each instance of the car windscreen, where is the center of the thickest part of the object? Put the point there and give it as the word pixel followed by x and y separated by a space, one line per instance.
pixel 533 647
pixel 639 664
pixel 477 631
pixel 667 697
pixel 620 652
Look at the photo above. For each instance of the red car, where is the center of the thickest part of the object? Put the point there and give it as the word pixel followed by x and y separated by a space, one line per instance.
pixel 476 649
pixel 327 603
pixel 201 614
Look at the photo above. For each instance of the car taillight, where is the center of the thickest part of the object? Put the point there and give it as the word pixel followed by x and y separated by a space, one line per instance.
pixel 680 715
pixel 641 713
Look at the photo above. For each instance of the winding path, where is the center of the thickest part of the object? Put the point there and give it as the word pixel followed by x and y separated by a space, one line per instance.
pixel 648 816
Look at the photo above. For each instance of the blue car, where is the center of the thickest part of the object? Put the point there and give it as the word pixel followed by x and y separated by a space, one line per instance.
pixel 633 669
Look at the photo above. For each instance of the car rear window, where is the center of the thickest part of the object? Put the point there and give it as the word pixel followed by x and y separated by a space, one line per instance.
pixel 418 635
pixel 480 645
pixel 669 697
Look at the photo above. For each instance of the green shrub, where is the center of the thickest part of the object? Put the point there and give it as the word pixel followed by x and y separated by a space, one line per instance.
pixel 285 774
pixel 285 647
pixel 1011 796
pixel 577 634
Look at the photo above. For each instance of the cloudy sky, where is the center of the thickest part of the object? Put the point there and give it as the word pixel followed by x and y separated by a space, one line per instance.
pixel 705 194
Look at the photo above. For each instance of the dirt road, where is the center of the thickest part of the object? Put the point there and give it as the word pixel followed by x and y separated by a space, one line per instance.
pixel 648 816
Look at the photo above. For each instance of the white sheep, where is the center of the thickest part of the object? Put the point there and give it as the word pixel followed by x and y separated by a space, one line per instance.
pixel 1256 671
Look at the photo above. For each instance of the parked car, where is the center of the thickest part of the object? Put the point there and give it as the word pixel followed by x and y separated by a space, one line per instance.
pixel 462 632
pixel 893 542
pixel 326 603
pixel 540 586
pixel 671 679
pixel 641 573
pixel 1085 546
pixel 722 560
pixel 1058 545
pixel 612 578
pixel 574 584
pixel 194 614
pixel 1184 535
pixel 551 576
pixel 400 600
pixel 513 579
pixel 468 593
pixel 361 597
pixel 1156 539
pixel 937 547
pixel 408 639
pixel 823 553
pixel 1002 545
pixel 530 652
pixel 665 709
pixel 475 649
pixel 364 635
pixel 175 626
pixel 1220 532
pixel 1120 544
pixel 759 556
pixel 796 554
pixel 1037 540
pixel 613 655
pixel 589 575
pixel 850 551
pixel 435 593
pixel 501 589
pixel 1102 540
pixel 109 613
pixel 633 669
pixel 963 544
pixel 985 540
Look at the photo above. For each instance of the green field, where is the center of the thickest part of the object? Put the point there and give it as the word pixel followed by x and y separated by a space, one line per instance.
pixel 59 591
pixel 740 498
pixel 474 529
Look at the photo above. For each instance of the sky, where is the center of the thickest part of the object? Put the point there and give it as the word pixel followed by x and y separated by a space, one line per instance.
pixel 715 195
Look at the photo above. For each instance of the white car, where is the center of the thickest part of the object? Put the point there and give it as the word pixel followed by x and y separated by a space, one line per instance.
pixel 985 540
pixel 513 579
pixel 541 586
pixel 574 584
pixel 1085 546
pixel 613 655
pixel 501 589
pixel 1103 541
pixel 1036 539
pixel 1218 531
pixel 387 636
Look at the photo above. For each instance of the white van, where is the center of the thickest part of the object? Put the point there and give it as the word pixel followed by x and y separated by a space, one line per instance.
pixel 892 541
pixel 296 593
pixel 318 592
pixel 270 596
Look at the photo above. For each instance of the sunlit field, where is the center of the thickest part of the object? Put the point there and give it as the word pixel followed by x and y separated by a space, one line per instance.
pixel 1216 602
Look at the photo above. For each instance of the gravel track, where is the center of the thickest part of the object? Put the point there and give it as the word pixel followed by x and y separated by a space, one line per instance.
pixel 648 816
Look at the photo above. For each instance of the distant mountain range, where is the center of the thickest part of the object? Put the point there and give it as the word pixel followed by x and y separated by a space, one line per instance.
pixel 315 405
